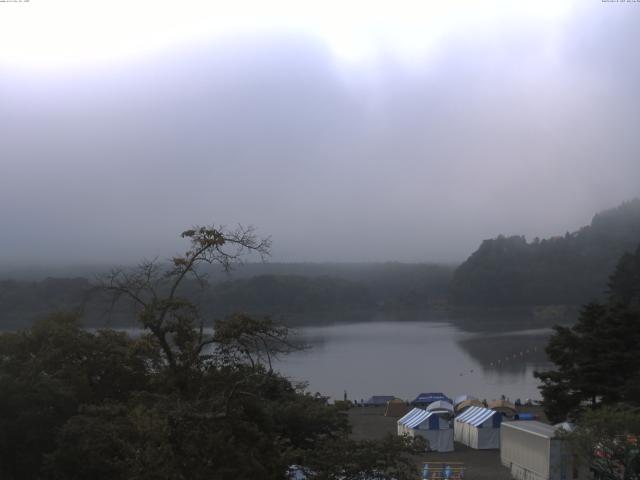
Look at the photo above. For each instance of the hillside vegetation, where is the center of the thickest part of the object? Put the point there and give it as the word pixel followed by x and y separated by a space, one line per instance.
pixel 570 270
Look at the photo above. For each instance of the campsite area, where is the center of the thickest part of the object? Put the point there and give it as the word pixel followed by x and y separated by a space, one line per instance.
pixel 369 423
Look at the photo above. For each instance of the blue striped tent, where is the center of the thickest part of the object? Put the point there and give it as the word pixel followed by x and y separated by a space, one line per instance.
pixel 478 428
pixel 429 425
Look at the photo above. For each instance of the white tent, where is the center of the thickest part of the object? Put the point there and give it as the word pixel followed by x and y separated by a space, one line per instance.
pixel 478 428
pixel 441 406
pixel 429 425
pixel 566 426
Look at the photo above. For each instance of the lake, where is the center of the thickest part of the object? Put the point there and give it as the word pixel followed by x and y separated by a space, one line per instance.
pixel 406 358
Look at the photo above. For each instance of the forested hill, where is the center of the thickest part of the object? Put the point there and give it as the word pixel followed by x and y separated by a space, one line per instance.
pixel 569 270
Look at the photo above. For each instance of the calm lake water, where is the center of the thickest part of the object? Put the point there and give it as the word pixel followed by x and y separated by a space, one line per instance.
pixel 406 358
pixel 388 356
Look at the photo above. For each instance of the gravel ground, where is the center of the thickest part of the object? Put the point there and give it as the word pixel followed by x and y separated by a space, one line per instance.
pixel 370 423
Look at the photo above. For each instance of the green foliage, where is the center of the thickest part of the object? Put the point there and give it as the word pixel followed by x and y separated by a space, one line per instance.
pixel 607 440
pixel 568 270
pixel 180 402
pixel 597 360
pixel 101 405
pixel 624 284
pixel 47 372
pixel 347 459
pixel 169 437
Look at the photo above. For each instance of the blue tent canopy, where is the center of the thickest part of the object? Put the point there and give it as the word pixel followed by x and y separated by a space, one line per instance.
pixel 426 399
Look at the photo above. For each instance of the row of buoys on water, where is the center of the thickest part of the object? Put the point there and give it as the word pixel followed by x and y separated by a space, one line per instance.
pixel 514 356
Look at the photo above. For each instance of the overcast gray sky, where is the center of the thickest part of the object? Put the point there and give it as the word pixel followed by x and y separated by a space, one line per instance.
pixel 407 135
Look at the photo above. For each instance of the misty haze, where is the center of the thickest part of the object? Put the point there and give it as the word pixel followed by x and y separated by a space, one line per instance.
pixel 282 240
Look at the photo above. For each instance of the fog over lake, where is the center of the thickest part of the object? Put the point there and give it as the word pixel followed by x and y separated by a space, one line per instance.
pixel 406 358
pixel 410 133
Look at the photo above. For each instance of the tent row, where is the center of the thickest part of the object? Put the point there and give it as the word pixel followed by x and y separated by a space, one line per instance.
pixel 439 401
pixel 476 427
pixel 464 419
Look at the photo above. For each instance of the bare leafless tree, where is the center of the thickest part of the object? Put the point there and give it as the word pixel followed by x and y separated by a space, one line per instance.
pixel 154 288
pixel 241 338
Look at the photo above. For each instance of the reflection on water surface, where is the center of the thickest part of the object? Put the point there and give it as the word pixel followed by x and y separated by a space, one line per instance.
pixel 405 358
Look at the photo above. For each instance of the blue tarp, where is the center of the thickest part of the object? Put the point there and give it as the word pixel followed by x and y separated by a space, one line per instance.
pixel 426 399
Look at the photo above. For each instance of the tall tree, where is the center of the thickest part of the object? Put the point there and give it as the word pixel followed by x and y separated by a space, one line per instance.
pixel 155 292
pixel 624 283
pixel 597 360
pixel 181 401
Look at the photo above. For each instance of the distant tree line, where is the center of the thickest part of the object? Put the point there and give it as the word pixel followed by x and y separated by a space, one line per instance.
pixel 287 294
pixel 567 270
pixel 292 292
pixel 21 302
pixel 504 272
